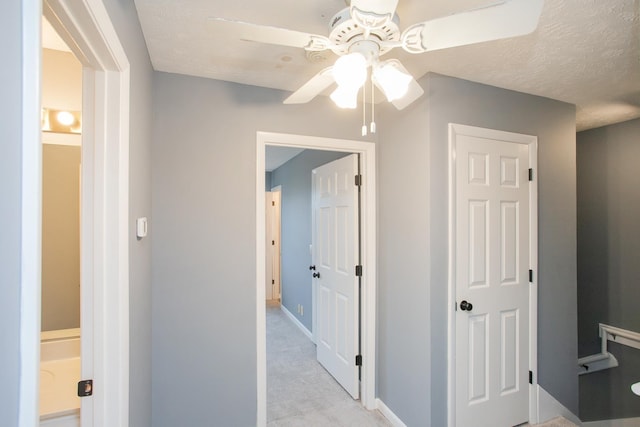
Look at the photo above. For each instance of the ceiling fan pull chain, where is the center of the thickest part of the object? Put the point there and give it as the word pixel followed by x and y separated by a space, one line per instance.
pixel 364 110
pixel 373 109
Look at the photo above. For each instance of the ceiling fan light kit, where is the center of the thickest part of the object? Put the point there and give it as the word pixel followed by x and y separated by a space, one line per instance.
pixel 361 33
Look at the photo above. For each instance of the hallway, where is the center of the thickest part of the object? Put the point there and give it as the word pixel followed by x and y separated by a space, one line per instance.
pixel 299 391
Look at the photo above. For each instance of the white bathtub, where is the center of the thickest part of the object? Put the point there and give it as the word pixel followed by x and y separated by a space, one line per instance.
pixel 59 376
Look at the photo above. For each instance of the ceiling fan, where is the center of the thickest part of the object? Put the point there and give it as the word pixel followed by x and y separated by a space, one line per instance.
pixel 367 29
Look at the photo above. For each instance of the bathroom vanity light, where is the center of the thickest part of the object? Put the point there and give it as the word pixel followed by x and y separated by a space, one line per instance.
pixel 61 121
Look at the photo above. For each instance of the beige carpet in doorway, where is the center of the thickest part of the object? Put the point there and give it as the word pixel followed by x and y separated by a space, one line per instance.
pixel 300 393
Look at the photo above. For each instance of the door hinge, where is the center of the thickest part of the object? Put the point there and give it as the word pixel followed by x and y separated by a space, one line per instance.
pixel 358 360
pixel 358 180
pixel 530 174
pixel 273 282
pixel 530 377
pixel 530 276
pixel 358 271
pixel 273 203
pixel 273 243
pixel 85 388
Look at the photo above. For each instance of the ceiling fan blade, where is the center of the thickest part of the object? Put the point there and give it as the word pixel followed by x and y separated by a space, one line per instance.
pixel 312 88
pixel 272 35
pixel 508 18
pixel 414 90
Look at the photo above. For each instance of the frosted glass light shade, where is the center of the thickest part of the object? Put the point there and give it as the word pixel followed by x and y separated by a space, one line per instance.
pixel 345 97
pixel 635 388
pixel 393 82
pixel 350 70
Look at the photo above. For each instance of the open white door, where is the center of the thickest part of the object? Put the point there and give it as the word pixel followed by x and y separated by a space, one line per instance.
pixel 272 249
pixel 335 247
pixel 491 278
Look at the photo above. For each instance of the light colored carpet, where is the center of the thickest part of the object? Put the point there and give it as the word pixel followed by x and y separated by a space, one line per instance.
pixel 299 391
pixel 556 422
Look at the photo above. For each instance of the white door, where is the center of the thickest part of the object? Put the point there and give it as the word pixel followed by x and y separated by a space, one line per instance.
pixel 272 249
pixel 269 242
pixel 491 281
pixel 276 206
pixel 335 247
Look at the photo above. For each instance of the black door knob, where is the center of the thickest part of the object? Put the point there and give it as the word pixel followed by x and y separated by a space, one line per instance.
pixel 316 275
pixel 466 306
pixel 312 267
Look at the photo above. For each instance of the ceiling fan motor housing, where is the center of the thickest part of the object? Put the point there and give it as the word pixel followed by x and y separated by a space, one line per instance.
pixel 344 31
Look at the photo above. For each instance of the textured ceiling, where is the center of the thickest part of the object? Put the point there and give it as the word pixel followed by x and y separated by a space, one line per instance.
pixel 585 52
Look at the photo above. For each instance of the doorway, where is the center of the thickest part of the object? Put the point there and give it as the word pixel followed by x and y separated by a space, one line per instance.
pixel 85 26
pixel 61 255
pixel 492 277
pixel 367 152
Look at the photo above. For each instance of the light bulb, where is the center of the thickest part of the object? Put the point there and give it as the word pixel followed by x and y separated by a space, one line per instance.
pixel 65 118
pixel 393 82
pixel 345 97
pixel 350 70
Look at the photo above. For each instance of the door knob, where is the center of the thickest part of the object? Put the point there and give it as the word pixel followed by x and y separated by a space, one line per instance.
pixel 466 306
pixel 316 275
pixel 312 267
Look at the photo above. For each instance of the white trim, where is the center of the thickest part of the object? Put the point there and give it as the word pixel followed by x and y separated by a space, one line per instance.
pixel 389 415
pixel 549 408
pixel 31 221
pixel 620 422
pixel 86 27
pixel 368 310
pixel 296 322
pixel 532 142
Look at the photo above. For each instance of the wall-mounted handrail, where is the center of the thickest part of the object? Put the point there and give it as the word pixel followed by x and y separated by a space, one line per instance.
pixel 604 359
pixel 620 336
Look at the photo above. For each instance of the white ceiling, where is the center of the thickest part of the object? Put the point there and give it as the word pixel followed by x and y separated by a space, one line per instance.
pixel 585 52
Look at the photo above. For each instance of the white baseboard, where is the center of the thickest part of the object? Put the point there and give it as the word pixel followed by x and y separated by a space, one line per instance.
pixel 549 408
pixel 623 422
pixel 297 322
pixel 389 415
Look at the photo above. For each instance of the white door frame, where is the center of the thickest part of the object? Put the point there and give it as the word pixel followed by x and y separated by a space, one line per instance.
pixel 86 27
pixel 532 142
pixel 368 226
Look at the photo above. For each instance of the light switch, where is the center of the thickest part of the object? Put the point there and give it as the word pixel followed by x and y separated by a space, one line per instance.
pixel 141 227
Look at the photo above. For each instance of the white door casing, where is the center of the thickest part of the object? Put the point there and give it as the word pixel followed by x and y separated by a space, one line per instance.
pixel 492 245
pixel 367 152
pixel 335 256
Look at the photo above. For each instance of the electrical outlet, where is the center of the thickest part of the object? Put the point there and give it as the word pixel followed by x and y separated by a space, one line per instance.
pixel 301 310
pixel 298 308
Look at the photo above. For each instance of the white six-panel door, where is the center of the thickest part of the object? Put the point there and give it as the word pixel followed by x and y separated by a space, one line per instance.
pixel 335 244
pixel 491 255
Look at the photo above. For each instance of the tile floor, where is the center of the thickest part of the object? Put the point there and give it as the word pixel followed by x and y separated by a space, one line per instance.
pixel 299 391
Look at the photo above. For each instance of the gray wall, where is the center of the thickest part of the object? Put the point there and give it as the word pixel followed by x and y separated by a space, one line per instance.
pixel 60 237
pixel 413 275
pixel 204 278
pixel 608 268
pixel 267 181
pixel 125 20
pixel 11 75
pixel 404 324
pixel 295 179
